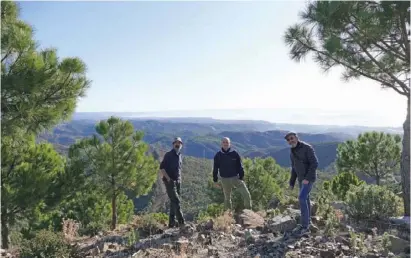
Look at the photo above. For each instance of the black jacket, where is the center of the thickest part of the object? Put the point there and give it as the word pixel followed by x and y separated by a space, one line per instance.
pixel 229 164
pixel 304 163
pixel 171 163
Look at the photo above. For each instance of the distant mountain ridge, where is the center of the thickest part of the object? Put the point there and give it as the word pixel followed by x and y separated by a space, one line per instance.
pixel 258 125
pixel 202 136
pixel 202 140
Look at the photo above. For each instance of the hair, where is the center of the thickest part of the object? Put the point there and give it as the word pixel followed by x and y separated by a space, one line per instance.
pixel 226 138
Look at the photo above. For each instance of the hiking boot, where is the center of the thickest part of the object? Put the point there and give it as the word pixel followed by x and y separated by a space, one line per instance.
pixel 314 229
pixel 301 231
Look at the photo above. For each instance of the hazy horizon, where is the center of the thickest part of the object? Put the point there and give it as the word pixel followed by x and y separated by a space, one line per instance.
pixel 207 58
pixel 270 115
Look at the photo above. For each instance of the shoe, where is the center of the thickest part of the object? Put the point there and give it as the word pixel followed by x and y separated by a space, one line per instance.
pixel 301 231
pixel 171 225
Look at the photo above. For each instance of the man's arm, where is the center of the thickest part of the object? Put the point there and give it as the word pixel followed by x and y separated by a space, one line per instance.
pixel 163 166
pixel 216 167
pixel 293 176
pixel 240 167
pixel 312 164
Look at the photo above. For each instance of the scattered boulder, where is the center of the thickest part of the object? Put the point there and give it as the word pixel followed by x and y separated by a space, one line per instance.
pixel 250 219
pixel 281 224
pixel 398 245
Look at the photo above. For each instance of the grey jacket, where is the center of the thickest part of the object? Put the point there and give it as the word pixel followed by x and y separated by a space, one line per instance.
pixel 304 163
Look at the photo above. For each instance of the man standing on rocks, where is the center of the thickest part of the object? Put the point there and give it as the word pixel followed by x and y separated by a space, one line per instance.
pixel 170 168
pixel 228 163
pixel 304 165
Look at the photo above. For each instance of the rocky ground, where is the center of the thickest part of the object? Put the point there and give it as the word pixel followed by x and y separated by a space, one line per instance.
pixel 251 235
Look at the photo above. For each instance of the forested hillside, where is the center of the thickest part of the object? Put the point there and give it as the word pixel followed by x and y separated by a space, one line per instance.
pixel 203 141
pixel 92 188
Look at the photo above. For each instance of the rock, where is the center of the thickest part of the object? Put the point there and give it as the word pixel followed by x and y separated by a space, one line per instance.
pixel 182 244
pixel 398 245
pixel 238 233
pixel 318 239
pixel 212 251
pixel 187 230
pixel 281 224
pixel 339 205
pixel 273 203
pixel 250 219
pixel 205 226
pixel 249 238
pixel 327 254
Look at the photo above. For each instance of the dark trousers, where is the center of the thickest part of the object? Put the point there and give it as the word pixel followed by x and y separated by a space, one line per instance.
pixel 173 192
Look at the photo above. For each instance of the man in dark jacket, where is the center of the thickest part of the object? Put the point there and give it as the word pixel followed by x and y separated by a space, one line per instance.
pixel 304 165
pixel 228 162
pixel 170 168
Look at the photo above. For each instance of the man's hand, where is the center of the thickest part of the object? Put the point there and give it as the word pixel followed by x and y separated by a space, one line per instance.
pixel 217 185
pixel 305 182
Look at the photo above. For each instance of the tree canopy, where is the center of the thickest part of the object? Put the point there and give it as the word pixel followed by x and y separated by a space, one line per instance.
pixel 368 39
pixel 116 159
pixel 375 154
pixel 38 91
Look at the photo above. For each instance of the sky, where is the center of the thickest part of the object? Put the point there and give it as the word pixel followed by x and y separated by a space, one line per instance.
pixel 219 59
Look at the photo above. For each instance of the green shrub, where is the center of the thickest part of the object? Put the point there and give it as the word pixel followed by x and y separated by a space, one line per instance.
pixel 342 183
pixel 151 223
pixel 372 202
pixel 213 210
pixel 45 244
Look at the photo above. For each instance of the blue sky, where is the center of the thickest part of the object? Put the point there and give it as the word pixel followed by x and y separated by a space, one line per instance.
pixel 196 56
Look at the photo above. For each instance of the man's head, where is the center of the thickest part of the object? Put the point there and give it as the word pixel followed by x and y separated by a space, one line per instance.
pixel 177 144
pixel 225 143
pixel 292 139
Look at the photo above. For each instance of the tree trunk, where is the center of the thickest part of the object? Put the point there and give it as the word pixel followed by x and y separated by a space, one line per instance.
pixel 5 236
pixel 405 162
pixel 113 211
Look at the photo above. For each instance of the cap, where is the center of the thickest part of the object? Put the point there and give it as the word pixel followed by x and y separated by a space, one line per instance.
pixel 290 133
pixel 178 139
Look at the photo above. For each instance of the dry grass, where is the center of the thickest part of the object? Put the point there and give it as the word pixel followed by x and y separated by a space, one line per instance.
pixel 224 222
pixel 70 229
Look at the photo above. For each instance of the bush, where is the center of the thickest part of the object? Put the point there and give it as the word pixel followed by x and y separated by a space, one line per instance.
pixel 45 244
pixel 325 210
pixel 372 202
pixel 151 223
pixel 342 183
pixel 213 210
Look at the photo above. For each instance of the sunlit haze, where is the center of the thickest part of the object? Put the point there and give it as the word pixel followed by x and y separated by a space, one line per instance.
pixel 201 58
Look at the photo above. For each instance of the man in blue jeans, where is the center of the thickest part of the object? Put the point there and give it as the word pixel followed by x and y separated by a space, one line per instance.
pixel 304 165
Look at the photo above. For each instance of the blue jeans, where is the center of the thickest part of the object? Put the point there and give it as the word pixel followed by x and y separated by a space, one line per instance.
pixel 305 204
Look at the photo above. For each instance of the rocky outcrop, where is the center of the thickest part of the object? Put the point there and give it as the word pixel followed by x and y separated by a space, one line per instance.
pixel 253 236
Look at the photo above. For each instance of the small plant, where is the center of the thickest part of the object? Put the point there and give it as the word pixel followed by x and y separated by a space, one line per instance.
pixel 45 244
pixel 372 202
pixel 70 229
pixel 212 211
pixel 224 222
pixel 132 237
pixel 273 212
pixel 357 243
pixel 385 241
pixel 341 184
pixel 151 223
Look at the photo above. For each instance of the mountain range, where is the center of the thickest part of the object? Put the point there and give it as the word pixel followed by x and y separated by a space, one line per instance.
pixel 202 136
